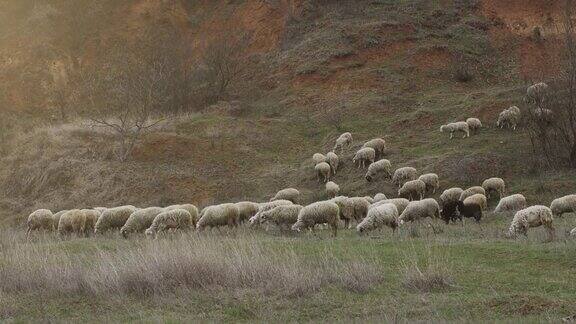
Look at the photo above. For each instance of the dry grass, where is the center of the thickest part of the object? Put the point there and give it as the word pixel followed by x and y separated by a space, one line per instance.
pixel 430 272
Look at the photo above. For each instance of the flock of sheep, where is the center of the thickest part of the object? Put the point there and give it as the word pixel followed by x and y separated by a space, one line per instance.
pixel 369 213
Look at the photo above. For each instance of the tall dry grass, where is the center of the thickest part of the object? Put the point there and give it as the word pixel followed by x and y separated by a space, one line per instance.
pixel 155 268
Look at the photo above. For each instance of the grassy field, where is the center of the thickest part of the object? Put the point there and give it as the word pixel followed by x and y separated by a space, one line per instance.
pixel 461 273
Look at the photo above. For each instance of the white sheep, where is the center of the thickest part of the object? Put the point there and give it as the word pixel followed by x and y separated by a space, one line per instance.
pixel 413 190
pixel 364 157
pixel 403 175
pixel 456 127
pixel 472 191
pixel 246 210
pixel 537 93
pixel 474 124
pixel 432 182
pixel 382 215
pixel 193 210
pixel 333 160
pixel 533 216
pixel 256 219
pixel 369 199
pixel 322 212
pixel 287 194
pixel 91 218
pixel 219 215
pixel 343 141
pixel 323 172
pixel 420 209
pixel 56 219
pixel 509 118
pixel 282 216
pixel 140 220
pixel 379 168
pixel 566 204
pixel 378 144
pixel 175 219
pixel 477 199
pixel 354 208
pixel 318 158
pixel 332 189
pixel 76 221
pixel 492 185
pixel 451 195
pixel 41 219
pixel 511 203
pixel 113 218
pixel 379 197
pixel 400 203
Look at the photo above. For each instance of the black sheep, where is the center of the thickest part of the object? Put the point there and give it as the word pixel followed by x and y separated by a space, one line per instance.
pixel 450 212
pixel 470 211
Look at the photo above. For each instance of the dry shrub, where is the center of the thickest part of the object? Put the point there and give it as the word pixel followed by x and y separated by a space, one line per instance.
pixel 428 273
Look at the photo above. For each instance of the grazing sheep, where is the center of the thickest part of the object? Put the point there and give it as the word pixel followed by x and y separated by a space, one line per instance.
pixel 318 158
pixel 537 93
pixel 287 194
pixel 478 199
pixel 282 216
pixel 246 210
pixel 492 185
pixel 432 182
pixel 56 219
pixel 332 189
pixel 417 210
pixel 91 218
pixel 383 215
pixel 533 216
pixel 333 160
pixel 456 127
pixel 566 204
pixel 509 118
pixel 189 208
pixel 382 167
pixel 256 219
pixel 413 190
pixel 364 157
pixel 450 195
pixel 40 219
pixel 113 218
pixel 403 175
pixel 369 199
pixel 322 212
pixel 175 219
pixel 78 222
pixel 378 144
pixel 379 197
pixel 343 141
pixel 354 208
pixel 140 220
pixel 470 209
pixel 219 215
pixel 400 203
pixel 455 210
pixel 511 204
pixel 474 124
pixel 450 212
pixel 472 191
pixel 323 172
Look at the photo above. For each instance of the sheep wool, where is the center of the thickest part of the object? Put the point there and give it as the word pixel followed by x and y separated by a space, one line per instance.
pixel 511 204
pixel 378 144
pixel 333 160
pixel 474 124
pixel 175 219
pixel 450 195
pixel 413 190
pixel 472 191
pixel 533 216
pixel 403 175
pixel 420 209
pixel 140 220
pixel 432 182
pixel 219 215
pixel 343 141
pixel 318 158
pixel 476 199
pixel 509 118
pixel 378 217
pixel 400 203
pixel 283 216
pixel 355 208
pixel 77 222
pixel 494 185
pixel 379 197
pixel 256 219
pixel 287 194
pixel 456 127
pixel 379 168
pixel 41 219
pixel 56 219
pixel 322 212
pixel 113 218
pixel 246 210
pixel 364 157
pixel 566 204
pixel 332 189
pixel 323 172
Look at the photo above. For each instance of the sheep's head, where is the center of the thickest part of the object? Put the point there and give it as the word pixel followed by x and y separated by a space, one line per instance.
pixel 443 128
pixel 298 226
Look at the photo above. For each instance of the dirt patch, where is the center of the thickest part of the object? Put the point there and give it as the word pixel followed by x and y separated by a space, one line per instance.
pixel 522 16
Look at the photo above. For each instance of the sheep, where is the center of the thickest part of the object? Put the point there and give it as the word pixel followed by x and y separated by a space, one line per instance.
pixel 256 219
pixel 450 195
pixel 379 197
pixel 140 220
pixel 344 140
pixel 113 218
pixel 456 127
pixel 318 158
pixel 40 219
pixel 287 194
pixel 431 181
pixel 509 118
pixel 472 191
pixel 246 210
pixel 494 185
pixel 56 219
pixel 332 189
pixel 474 124
pixel 514 109
pixel 354 208
pixel 403 175
pixel 382 167
pixel 400 203
pixel 322 212
pixel 454 210
pixel 412 190
pixel 76 221
pixel 333 160
pixel 219 215
pixel 511 204
pixel 537 93
pixel 566 204
pixel 91 217
pixel 478 199
pixel 383 215
pixel 364 157
pixel 369 199
pixel 378 144
pixel 417 210
pixel 284 215
pixel 323 172
pixel 533 216
pixel 193 210
pixel 175 219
